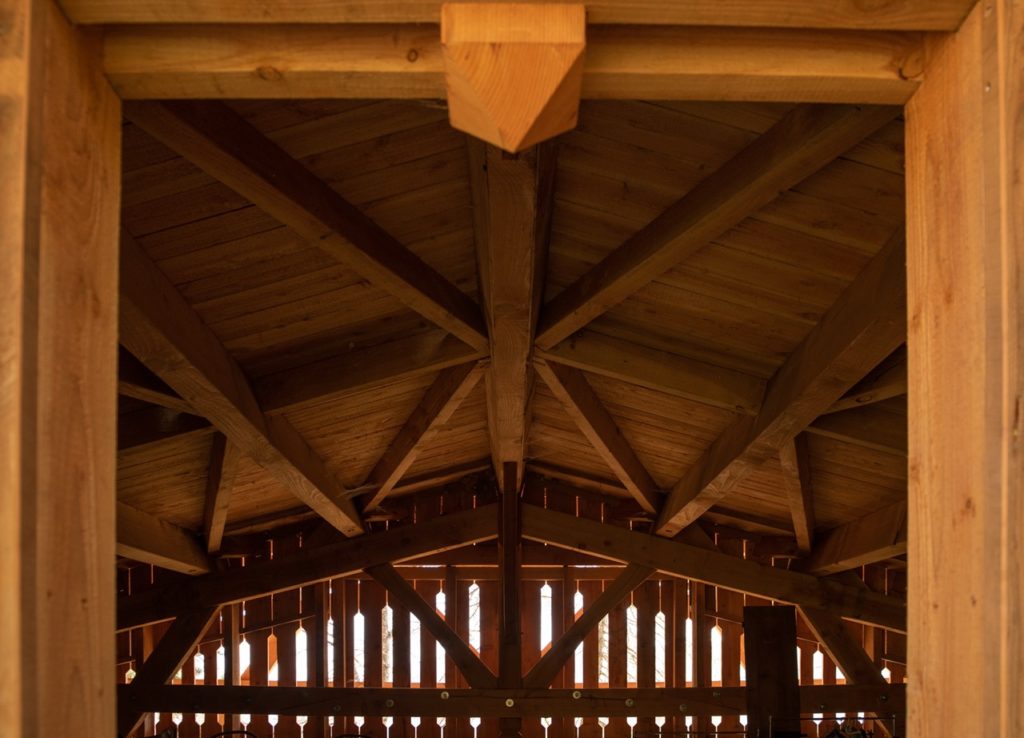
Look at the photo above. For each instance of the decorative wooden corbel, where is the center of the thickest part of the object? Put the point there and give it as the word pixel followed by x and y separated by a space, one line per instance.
pixel 513 70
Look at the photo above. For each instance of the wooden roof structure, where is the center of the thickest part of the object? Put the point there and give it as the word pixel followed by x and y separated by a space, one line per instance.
pixel 681 325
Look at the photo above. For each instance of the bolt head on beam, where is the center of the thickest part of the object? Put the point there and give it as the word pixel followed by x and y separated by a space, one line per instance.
pixel 514 71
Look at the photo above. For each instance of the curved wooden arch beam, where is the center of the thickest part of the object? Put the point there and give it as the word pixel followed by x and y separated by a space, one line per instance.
pixel 514 71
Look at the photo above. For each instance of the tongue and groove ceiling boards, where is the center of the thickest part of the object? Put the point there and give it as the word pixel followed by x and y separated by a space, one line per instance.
pixel 337 302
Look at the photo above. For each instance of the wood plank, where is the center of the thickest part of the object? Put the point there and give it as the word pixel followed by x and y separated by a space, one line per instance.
pixel 871 427
pixel 545 670
pixel 404 61
pixel 308 567
pixel 866 324
pixel 361 368
pixel 582 404
pixel 166 334
pixel 221 143
pixel 469 664
pixel 875 537
pixel 440 402
pixel 773 690
pixel 220 479
pixel 917 15
pixel 135 380
pixel 176 645
pixel 800 144
pixel 711 567
pixel 796 479
pixel 147 538
pixel 492 702
pixel 512 203
pixel 658 370
pixel 150 425
pixel 965 231
pixel 60 151
pixel 881 385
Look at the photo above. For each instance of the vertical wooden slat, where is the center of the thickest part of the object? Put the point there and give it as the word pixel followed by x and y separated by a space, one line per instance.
pixel 400 655
pixel 645 597
pixel 701 644
pixel 188 728
pixel 530 614
pixel 316 648
pixel 681 596
pixel 60 130
pixel 352 606
pixel 428 589
pixel 231 617
pixel 591 591
pixel 372 600
pixel 212 721
pixel 286 606
pixel 258 611
pixel 510 641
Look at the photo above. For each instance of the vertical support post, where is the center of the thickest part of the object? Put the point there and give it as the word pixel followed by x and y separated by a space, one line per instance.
pixel 965 240
pixel 232 618
pixel 60 128
pixel 773 690
pixel 510 637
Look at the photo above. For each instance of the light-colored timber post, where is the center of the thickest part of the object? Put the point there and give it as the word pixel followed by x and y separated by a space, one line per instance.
pixel 965 203
pixel 60 126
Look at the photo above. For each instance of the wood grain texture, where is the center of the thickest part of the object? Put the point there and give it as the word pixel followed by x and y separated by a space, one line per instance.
pixel 146 538
pixel 220 479
pixel 217 140
pixel 405 61
pixel 163 331
pixel 60 149
pixel 794 458
pixel 862 328
pixel 512 203
pixel 965 240
pixel 796 147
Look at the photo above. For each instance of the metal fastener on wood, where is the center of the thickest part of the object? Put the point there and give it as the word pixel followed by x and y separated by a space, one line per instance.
pixel 389 703
pixel 444 695
pixel 510 702
pixel 576 694
pixel 630 702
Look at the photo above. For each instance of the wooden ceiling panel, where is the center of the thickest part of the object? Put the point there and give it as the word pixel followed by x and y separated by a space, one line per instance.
pixel 167 479
pixel 461 440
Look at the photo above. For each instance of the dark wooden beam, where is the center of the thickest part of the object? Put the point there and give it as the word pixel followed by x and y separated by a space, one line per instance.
pixel 875 537
pixel 872 426
pixel 163 331
pixel 135 380
pixel 711 567
pixel 153 424
pixel 147 538
pixel 796 479
pixel 477 674
pixel 545 670
pixel 221 143
pixel 307 567
pixel 804 141
pixel 510 635
pixel 773 686
pixel 865 325
pixel 887 381
pixel 513 197
pixel 220 479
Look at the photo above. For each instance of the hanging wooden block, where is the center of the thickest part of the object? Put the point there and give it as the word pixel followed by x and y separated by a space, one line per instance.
pixel 513 71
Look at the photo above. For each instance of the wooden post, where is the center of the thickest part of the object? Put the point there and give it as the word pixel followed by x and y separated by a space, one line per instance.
pixel 510 652
pixel 965 239
pixel 232 617
pixel 773 691
pixel 60 129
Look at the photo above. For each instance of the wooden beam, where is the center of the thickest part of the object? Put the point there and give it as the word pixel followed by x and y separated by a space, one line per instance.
pixel 711 567
pixel 477 674
pixel 513 71
pixel 773 686
pixel 59 205
pixel 491 703
pixel 864 326
pixel 796 479
pixel 135 380
pixel 361 368
pixel 889 381
pixel 804 141
pixel 405 61
pixel 872 427
pixel 916 15
pixel 147 538
pixel 166 334
pixel 220 479
pixel 596 423
pixel 163 663
pixel 440 402
pixel 545 670
pixel 512 202
pixel 966 343
pixel 877 536
pixel 225 146
pixel 658 370
pixel 155 424
pixel 308 567
pixel 510 645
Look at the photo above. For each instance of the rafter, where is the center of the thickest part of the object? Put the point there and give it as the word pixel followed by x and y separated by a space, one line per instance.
pixel 219 481
pixel 596 423
pixel 359 61
pixel 658 370
pixel 147 538
pixel 877 536
pixel 804 141
pixel 512 203
pixel 163 331
pixel 224 145
pixel 711 567
pixel 155 424
pixel 864 326
pixel 888 381
pixel 476 673
pixel 440 402
pixel 872 426
pixel 796 479
pixel 308 566
pixel 545 670
pixel 135 380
